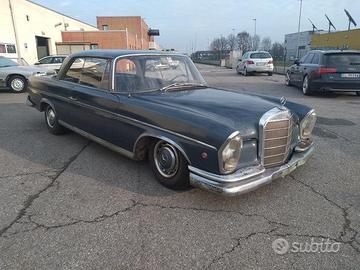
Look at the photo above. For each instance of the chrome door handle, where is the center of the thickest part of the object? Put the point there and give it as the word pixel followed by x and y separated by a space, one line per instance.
pixel 73 98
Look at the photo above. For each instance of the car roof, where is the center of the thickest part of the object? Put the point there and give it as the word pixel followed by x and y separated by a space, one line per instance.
pixel 111 53
pixel 335 51
pixel 258 52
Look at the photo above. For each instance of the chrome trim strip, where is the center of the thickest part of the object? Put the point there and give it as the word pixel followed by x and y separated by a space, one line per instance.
pixel 98 140
pixel 239 182
pixel 133 120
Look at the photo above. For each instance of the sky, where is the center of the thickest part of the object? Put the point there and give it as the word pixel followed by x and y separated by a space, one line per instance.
pixel 190 25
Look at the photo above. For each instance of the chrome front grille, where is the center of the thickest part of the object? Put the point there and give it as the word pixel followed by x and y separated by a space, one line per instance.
pixel 275 137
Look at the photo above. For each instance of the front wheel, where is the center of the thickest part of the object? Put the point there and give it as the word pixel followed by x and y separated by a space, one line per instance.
pixel 17 84
pixel 52 123
pixel 306 86
pixel 287 79
pixel 168 165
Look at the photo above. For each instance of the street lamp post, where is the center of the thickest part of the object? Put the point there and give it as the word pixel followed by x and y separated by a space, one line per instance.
pixel 255 26
pixel 299 26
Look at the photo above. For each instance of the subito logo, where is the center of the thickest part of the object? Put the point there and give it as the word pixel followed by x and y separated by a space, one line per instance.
pixel 280 246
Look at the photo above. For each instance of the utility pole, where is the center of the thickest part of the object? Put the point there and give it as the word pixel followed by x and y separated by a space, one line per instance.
pixel 255 26
pixel 299 26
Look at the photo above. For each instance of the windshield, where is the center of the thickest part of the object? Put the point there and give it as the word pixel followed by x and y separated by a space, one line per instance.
pixel 155 72
pixel 5 62
pixel 260 55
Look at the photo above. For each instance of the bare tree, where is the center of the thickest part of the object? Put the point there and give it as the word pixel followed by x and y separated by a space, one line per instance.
pixel 219 44
pixel 266 44
pixel 232 42
pixel 244 41
pixel 277 51
pixel 255 42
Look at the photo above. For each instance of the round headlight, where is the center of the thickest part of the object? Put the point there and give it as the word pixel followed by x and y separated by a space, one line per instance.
pixel 307 125
pixel 230 153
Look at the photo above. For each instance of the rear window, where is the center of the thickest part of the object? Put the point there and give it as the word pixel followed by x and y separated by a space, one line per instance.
pixel 345 59
pixel 260 55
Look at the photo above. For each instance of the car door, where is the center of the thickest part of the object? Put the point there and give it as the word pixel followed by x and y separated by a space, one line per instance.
pixel 300 68
pixel 97 107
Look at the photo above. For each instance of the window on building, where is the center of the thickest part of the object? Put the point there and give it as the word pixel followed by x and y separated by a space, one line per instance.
pixel 28 18
pixel 105 27
pixel 10 48
pixel 93 46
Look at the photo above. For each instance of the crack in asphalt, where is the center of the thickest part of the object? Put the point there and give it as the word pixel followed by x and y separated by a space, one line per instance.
pixel 238 242
pixel 42 173
pixel 346 229
pixel 30 199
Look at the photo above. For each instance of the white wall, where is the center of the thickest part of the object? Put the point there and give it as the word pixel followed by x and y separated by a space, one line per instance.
pixel 41 23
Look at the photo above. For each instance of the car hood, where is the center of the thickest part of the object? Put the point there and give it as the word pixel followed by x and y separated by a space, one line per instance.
pixel 229 110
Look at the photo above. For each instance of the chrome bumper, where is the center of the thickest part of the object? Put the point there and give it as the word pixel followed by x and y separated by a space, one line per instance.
pixel 248 179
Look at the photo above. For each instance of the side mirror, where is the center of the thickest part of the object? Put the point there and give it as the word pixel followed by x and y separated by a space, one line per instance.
pixel 297 62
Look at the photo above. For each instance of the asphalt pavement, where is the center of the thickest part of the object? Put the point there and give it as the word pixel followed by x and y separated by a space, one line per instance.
pixel 67 203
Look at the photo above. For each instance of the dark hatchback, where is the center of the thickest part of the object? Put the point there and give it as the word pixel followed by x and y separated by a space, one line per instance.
pixel 326 71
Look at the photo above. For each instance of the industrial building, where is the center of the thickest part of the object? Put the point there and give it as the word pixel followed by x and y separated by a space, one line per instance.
pixel 32 31
pixel 308 40
pixel 115 32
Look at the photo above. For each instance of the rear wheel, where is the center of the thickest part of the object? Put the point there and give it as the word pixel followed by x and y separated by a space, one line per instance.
pixel 52 123
pixel 245 72
pixel 168 165
pixel 358 94
pixel 287 79
pixel 306 86
pixel 17 84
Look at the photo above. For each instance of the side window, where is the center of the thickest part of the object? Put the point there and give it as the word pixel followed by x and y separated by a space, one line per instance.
pixel 74 71
pixel 46 60
pixel 315 59
pixel 58 60
pixel 10 48
pixel 126 75
pixel 93 73
pixel 308 58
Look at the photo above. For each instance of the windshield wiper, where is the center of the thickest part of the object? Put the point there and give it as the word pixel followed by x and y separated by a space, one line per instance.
pixel 181 85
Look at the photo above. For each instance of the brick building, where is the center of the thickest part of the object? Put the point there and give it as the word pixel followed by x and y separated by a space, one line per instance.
pixel 118 32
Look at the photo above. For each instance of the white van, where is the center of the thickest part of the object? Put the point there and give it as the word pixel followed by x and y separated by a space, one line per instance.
pixel 8 50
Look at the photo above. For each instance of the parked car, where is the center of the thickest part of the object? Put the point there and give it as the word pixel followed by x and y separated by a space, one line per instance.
pixel 222 141
pixel 255 62
pixel 326 71
pixel 15 76
pixel 51 62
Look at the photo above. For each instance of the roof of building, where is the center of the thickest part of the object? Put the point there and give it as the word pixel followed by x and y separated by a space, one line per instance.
pixel 32 2
pixel 115 53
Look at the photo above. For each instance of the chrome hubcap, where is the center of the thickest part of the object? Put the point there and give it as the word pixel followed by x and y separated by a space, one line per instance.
pixel 287 78
pixel 50 117
pixel 305 84
pixel 166 159
pixel 17 84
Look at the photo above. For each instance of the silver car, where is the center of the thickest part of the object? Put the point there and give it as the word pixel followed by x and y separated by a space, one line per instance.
pixel 51 62
pixel 255 62
pixel 15 76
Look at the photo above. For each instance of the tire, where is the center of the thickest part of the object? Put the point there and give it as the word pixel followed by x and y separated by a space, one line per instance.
pixel 245 72
pixel 270 73
pixel 172 170
pixel 17 84
pixel 306 86
pixel 287 79
pixel 52 123
pixel 358 94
